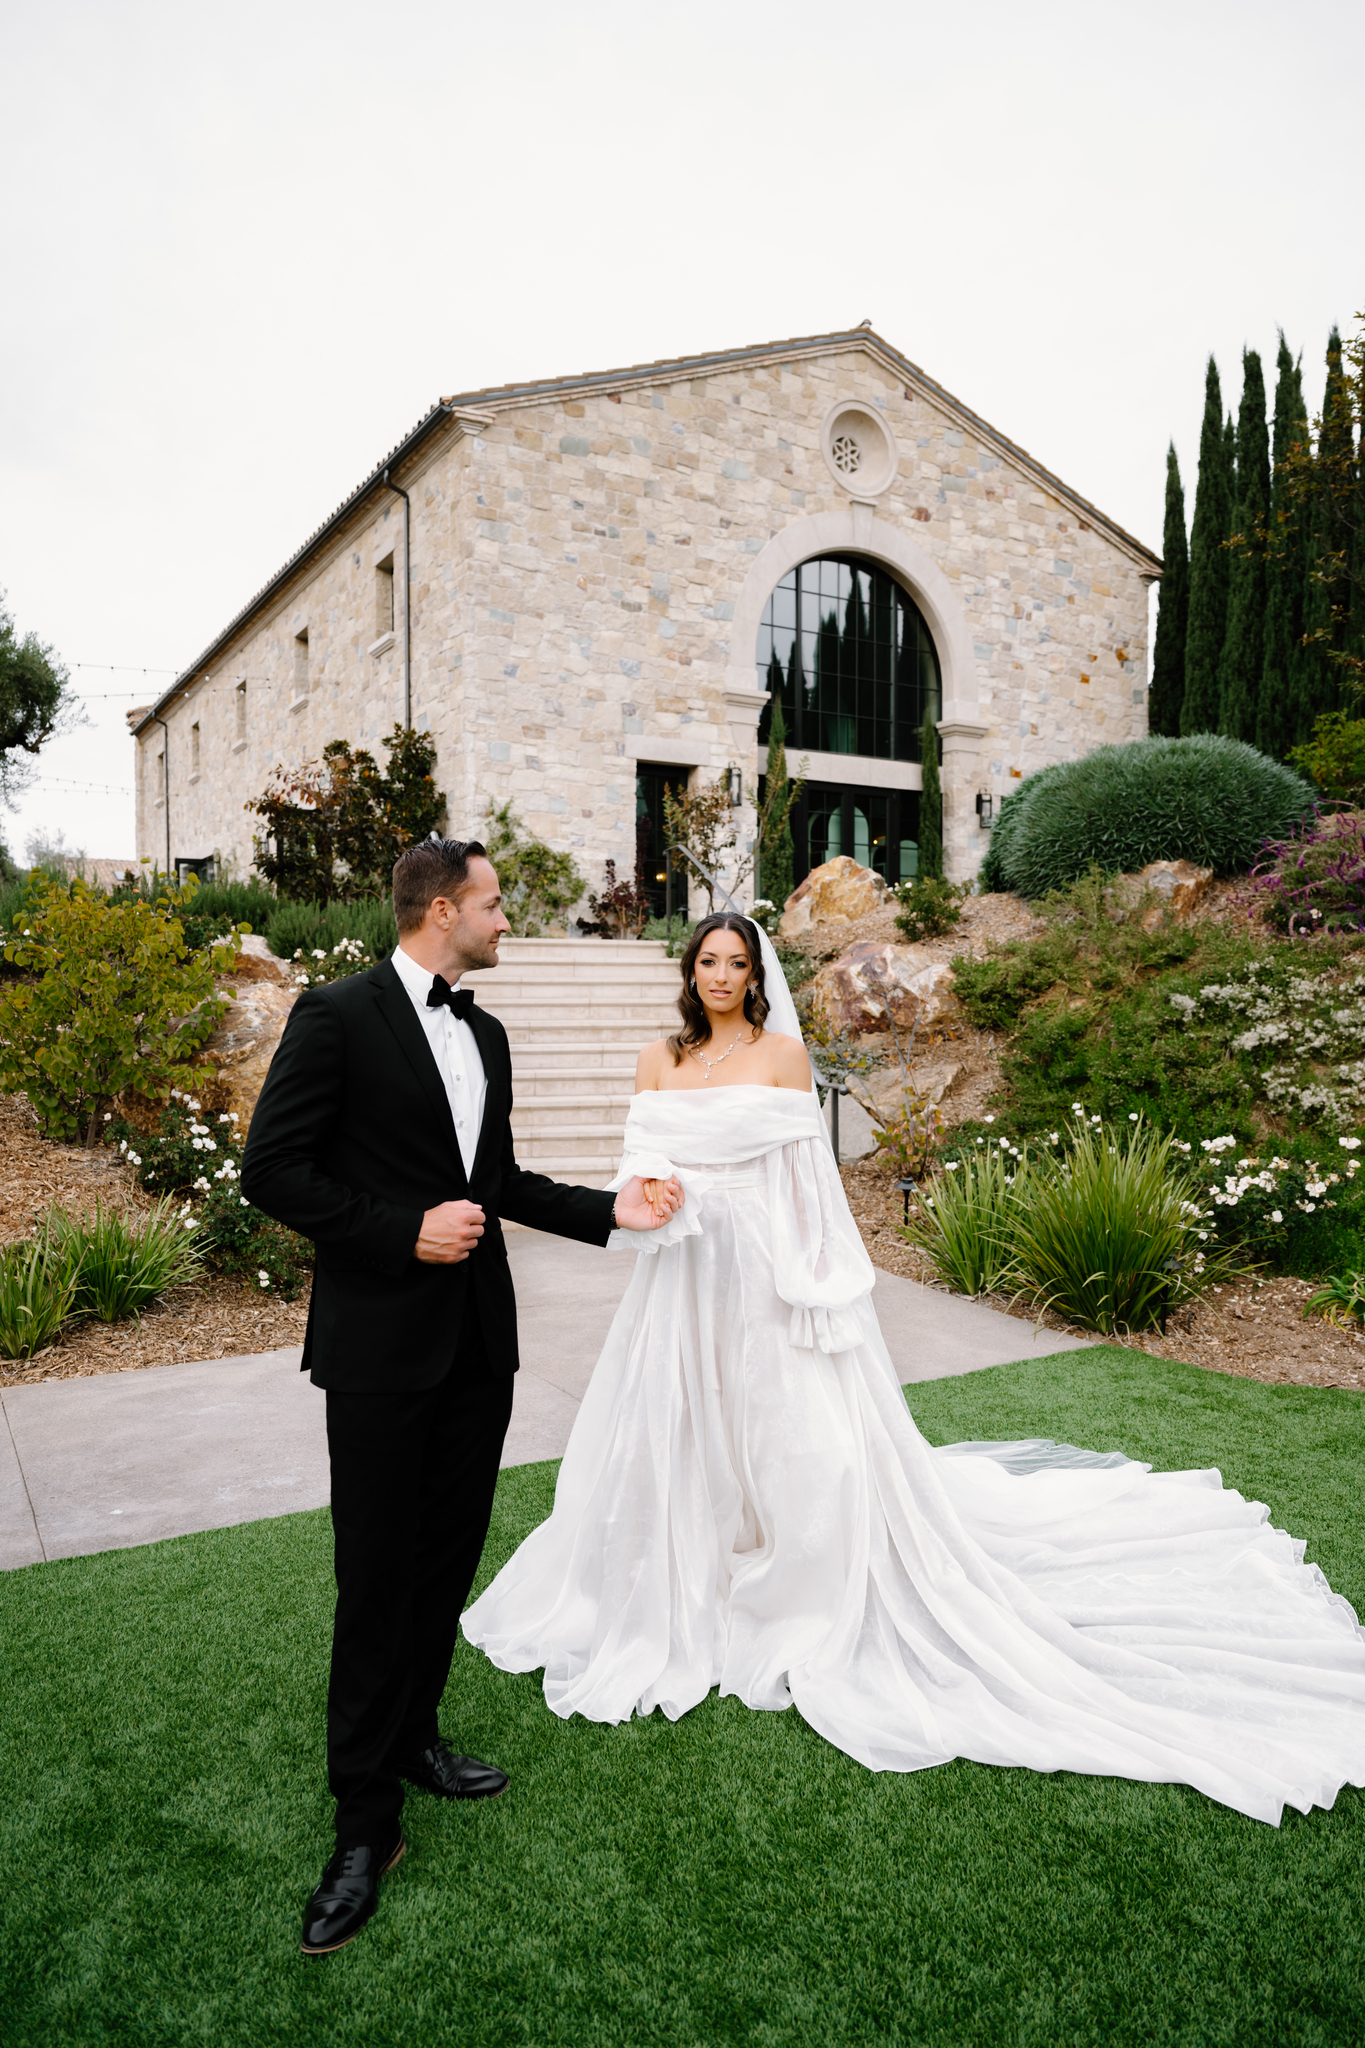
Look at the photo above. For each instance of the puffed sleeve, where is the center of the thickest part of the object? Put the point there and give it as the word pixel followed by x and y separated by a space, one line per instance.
pixel 819 1261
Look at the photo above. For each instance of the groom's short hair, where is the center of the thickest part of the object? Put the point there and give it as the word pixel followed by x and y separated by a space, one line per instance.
pixel 431 868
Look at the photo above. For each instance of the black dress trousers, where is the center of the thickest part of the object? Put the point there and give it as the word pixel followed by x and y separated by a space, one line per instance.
pixel 413 1477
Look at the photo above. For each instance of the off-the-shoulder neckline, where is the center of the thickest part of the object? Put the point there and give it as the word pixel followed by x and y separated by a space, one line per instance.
pixel 729 1088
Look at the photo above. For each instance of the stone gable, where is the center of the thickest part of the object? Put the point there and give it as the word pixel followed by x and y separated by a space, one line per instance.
pixel 588 570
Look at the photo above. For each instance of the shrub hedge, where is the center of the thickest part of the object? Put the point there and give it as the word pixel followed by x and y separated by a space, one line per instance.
pixel 1208 799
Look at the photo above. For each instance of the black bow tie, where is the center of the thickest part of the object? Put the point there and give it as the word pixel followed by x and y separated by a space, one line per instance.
pixel 459 1001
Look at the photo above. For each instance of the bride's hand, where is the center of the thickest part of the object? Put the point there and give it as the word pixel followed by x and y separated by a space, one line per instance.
pixel 645 1204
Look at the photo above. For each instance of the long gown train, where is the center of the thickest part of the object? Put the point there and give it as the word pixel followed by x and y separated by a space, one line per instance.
pixel 746 1502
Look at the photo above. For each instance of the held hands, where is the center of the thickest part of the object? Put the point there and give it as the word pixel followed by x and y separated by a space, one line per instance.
pixel 646 1204
pixel 449 1233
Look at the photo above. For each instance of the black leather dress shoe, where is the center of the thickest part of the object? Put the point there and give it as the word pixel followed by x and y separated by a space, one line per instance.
pixel 449 1776
pixel 346 1898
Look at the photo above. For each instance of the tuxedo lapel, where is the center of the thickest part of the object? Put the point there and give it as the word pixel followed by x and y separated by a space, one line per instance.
pixel 395 1007
pixel 495 1097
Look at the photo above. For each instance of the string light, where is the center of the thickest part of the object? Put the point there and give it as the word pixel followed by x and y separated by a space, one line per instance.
pixel 61 781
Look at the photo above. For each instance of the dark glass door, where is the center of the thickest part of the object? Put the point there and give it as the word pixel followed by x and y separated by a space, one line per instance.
pixel 650 836
pixel 879 828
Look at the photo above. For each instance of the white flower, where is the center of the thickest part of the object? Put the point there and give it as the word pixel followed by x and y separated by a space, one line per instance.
pixel 202 1185
pixel 1132 1116
pixel 135 1159
pixel 318 954
pixel 988 1119
pixel 1055 1139
pixel 1076 1109
pixel 951 1164
pixel 109 1118
pixel 1350 1144
pixel 1276 1216
pixel 244 1202
pixel 233 1115
pixel 1094 1119
pixel 195 1107
pixel 263 1277
pixel 225 1118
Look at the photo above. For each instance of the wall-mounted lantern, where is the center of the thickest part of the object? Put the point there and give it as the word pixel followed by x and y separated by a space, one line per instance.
pixel 985 809
pixel 734 783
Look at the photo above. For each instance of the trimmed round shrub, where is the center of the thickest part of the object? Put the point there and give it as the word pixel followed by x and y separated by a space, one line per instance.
pixel 998 865
pixel 1208 799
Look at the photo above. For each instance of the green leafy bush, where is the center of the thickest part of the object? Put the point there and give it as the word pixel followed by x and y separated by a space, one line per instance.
pixel 122 1263
pixel 1334 759
pixel 1207 799
pixel 538 885
pixel 211 909
pixel 305 928
pixel 335 827
pixel 37 1289
pixel 201 1162
pixel 929 906
pixel 118 1001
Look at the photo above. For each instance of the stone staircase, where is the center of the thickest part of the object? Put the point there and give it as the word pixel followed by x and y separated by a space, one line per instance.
pixel 577 1012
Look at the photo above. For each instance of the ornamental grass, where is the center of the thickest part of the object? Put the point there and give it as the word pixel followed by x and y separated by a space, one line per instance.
pixel 37 1290
pixel 121 1264
pixel 1113 1231
pixel 1113 1235
pixel 966 1226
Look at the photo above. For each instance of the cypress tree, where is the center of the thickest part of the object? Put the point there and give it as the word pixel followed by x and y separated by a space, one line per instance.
pixel 1316 689
pixel 1230 465
pixel 777 859
pixel 1239 672
pixel 1275 725
pixel 1173 607
pixel 1208 568
pixel 930 800
pixel 1337 454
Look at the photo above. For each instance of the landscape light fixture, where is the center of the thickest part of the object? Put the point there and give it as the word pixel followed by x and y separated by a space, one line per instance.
pixel 734 781
pixel 985 809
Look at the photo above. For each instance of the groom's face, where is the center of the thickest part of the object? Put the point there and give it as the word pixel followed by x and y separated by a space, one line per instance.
pixel 473 925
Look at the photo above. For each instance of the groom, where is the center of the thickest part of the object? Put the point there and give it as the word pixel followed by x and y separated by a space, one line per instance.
pixel 383 1133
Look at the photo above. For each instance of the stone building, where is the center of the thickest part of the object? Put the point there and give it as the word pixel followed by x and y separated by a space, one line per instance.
pixel 585 587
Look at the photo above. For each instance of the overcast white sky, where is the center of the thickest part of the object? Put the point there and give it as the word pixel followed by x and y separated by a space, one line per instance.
pixel 248 246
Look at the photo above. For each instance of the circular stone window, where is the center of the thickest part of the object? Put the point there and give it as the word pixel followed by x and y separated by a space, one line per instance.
pixel 858 446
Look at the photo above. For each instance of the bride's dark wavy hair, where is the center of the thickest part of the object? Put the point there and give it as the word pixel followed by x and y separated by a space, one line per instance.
pixel 695 1028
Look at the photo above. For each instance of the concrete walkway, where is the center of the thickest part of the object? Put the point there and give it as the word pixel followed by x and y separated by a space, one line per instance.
pixel 132 1457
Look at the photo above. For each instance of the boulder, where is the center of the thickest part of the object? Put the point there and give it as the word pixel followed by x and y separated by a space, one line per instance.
pixel 932 1079
pixel 256 962
pixel 244 1043
pixel 854 992
pixel 837 889
pixel 1178 884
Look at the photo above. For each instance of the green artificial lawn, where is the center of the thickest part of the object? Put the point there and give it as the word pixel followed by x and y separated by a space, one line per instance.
pixel 730 1878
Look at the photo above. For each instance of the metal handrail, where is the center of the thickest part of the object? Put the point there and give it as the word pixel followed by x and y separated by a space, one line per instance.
pixel 716 888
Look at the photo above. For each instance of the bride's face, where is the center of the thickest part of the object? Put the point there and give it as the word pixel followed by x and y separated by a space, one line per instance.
pixel 722 973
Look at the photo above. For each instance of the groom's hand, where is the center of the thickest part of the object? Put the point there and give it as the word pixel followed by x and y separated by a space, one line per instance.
pixel 636 1211
pixel 449 1233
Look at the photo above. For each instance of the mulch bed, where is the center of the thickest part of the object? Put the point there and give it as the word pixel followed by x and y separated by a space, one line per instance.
pixel 217 1317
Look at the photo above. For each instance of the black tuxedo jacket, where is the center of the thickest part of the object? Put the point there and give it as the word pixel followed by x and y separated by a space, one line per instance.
pixel 351 1142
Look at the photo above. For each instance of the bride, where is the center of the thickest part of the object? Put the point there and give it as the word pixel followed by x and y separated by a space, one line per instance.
pixel 746 1502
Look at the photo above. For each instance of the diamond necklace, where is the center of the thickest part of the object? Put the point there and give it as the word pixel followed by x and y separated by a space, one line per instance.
pixel 700 1056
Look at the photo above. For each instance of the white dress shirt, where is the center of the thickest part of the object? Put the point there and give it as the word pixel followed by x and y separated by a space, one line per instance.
pixel 456 1052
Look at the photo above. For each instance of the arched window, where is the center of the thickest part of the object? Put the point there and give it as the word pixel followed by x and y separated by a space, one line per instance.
pixel 852 657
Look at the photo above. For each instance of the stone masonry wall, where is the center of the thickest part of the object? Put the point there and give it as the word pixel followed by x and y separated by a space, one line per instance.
pixel 576 566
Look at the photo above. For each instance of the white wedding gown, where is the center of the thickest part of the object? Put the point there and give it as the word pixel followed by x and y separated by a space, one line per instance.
pixel 746 1502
